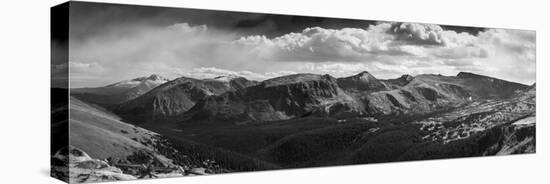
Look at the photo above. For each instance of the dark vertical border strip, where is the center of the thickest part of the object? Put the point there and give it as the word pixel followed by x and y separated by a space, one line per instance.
pixel 59 91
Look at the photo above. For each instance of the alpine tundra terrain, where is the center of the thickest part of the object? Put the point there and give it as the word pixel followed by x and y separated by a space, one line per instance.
pixel 103 148
pixel 232 124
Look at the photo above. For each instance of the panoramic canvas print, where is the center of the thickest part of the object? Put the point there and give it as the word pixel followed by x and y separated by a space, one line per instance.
pixel 142 92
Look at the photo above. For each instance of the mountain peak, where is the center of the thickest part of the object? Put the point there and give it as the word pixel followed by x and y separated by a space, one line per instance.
pixel 363 81
pixel 156 77
pixel 364 76
pixel 153 77
pixel 406 77
pixel 468 75
pixel 296 78
pixel 363 73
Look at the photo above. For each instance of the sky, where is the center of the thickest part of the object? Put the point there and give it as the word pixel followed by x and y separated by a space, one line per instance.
pixel 109 43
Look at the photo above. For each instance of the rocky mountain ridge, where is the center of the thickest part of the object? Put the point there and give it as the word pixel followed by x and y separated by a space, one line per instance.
pixel 237 99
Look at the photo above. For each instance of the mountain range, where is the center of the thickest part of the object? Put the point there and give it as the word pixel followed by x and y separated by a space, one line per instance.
pixel 239 100
pixel 119 92
pixel 293 121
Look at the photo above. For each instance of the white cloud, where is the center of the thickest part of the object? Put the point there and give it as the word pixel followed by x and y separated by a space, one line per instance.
pixel 319 44
pixel 418 33
pixel 354 45
pixel 212 72
pixel 430 34
pixel 386 50
pixel 79 67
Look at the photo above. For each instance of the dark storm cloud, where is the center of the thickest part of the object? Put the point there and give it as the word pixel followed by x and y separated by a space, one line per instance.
pixel 90 19
pixel 277 25
pixel 97 18
pixel 464 29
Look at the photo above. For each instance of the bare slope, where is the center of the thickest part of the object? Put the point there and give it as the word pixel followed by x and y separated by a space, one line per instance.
pixel 176 97
pixel 119 92
pixel 102 135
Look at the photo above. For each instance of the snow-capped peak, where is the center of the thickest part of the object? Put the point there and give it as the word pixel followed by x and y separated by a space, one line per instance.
pixel 154 78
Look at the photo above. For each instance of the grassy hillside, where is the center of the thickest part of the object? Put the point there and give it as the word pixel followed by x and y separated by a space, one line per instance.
pixel 102 135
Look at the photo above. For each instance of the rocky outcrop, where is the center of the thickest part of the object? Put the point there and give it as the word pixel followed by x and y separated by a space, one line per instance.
pixel 517 138
pixel 81 168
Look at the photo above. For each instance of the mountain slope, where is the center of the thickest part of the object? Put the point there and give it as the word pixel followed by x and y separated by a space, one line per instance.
pixel 359 95
pixel 416 95
pixel 485 127
pixel 119 92
pixel 363 81
pixel 278 99
pixel 488 87
pixel 114 150
pixel 176 97
pixel 426 93
pixel 102 134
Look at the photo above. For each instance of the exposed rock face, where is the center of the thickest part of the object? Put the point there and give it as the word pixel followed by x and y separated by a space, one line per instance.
pixel 236 99
pixel 145 86
pixel 83 169
pixel 416 95
pixel 277 99
pixel 240 83
pixel 176 97
pixel 529 92
pixel 363 81
pixel 517 138
pixel 426 93
pixel 359 95
pixel 399 82
pixel 119 92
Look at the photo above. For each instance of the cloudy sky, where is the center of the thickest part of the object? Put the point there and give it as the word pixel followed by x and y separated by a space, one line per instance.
pixel 109 43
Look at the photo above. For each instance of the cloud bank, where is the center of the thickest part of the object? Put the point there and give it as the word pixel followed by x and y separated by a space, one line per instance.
pixel 386 49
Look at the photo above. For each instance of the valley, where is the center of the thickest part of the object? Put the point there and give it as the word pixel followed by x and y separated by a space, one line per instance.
pixel 306 120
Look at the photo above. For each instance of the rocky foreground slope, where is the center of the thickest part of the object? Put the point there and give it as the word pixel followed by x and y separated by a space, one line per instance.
pixel 104 148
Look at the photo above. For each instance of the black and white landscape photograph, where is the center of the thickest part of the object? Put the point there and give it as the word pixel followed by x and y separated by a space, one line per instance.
pixel 157 92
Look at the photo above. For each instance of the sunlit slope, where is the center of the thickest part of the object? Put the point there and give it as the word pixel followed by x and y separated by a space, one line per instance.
pixel 102 135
